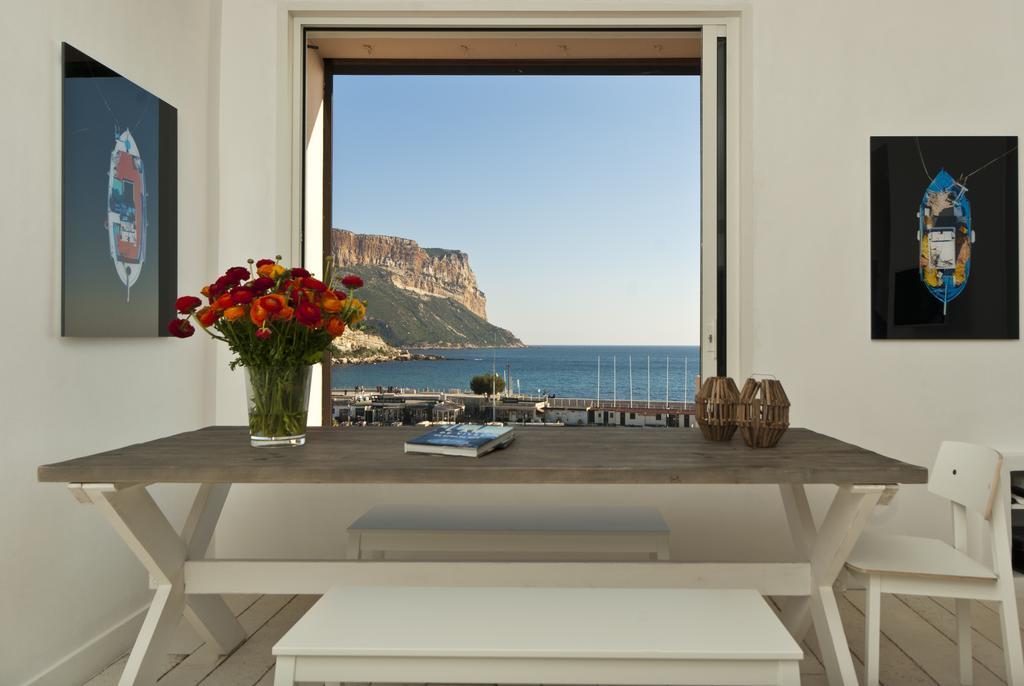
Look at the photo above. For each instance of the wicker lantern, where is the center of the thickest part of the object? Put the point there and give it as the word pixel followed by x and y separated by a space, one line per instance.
pixel 716 401
pixel 763 412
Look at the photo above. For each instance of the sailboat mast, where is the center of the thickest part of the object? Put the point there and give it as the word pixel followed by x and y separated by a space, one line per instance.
pixel 631 381
pixel 666 382
pixel 599 379
pixel 615 383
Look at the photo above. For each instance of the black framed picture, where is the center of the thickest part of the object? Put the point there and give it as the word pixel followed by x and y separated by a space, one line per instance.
pixel 944 237
pixel 119 204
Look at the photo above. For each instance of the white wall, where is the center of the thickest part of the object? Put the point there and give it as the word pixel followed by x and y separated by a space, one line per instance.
pixel 247 166
pixel 65 577
pixel 827 76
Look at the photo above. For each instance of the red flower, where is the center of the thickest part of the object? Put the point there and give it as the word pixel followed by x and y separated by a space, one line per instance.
pixel 308 314
pixel 263 262
pixel 187 303
pixel 222 284
pixel 180 328
pixel 340 294
pixel 299 272
pixel 262 284
pixel 237 274
pixel 352 281
pixel 263 334
pixel 242 296
pixel 314 284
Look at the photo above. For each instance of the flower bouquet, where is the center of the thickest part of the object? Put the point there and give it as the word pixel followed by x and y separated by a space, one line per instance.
pixel 278 322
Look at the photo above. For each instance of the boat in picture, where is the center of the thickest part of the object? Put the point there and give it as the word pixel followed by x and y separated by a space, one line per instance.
pixel 945 237
pixel 126 210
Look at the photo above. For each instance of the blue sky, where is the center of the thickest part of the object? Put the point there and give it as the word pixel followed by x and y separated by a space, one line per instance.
pixel 576 198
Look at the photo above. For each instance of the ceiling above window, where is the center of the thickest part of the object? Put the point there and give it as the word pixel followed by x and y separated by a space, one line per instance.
pixel 506 45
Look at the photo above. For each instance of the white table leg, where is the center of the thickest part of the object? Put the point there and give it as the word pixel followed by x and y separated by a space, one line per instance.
pixel 162 551
pixel 796 614
pixel 209 614
pixel 154 636
pixel 827 549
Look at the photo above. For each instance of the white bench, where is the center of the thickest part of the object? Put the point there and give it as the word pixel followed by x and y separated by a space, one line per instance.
pixel 538 636
pixel 545 530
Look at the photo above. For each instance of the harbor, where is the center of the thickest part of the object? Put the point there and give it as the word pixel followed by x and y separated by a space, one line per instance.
pixel 402 406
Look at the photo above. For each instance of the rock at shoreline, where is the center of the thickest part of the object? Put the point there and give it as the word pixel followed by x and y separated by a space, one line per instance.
pixel 362 347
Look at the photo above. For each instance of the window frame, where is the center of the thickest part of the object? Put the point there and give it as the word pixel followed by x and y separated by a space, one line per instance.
pixel 724 166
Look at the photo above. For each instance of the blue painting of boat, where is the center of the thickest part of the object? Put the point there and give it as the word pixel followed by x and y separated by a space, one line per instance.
pixel 945 237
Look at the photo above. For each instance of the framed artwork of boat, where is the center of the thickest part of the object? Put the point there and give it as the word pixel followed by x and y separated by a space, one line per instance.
pixel 944 237
pixel 119 204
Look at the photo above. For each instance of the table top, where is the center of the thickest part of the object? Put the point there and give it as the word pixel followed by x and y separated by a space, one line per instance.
pixel 539 454
pixel 604 623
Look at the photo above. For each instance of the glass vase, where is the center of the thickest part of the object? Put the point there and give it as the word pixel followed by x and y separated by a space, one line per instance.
pixel 278 399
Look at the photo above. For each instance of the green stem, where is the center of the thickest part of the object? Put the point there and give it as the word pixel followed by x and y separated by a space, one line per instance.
pixel 278 400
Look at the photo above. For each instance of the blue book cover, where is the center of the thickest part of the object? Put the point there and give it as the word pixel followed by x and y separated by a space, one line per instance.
pixel 461 439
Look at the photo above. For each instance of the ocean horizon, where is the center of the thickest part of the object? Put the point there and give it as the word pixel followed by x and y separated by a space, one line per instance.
pixel 566 371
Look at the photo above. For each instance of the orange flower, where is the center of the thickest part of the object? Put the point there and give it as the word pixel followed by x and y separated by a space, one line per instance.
pixel 335 326
pixel 233 313
pixel 357 310
pixel 271 271
pixel 224 301
pixel 285 313
pixel 331 304
pixel 207 317
pixel 258 314
pixel 273 302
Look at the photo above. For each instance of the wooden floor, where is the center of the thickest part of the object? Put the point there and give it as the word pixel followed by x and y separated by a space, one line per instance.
pixel 918 644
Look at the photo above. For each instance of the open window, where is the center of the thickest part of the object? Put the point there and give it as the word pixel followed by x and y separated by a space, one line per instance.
pixel 354 81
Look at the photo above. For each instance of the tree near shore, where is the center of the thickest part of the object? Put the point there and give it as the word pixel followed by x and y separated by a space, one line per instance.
pixel 484 384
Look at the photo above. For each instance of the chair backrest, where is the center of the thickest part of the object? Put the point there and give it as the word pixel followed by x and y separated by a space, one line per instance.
pixel 968 475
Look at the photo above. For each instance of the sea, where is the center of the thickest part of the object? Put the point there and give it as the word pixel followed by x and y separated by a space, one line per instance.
pixel 564 371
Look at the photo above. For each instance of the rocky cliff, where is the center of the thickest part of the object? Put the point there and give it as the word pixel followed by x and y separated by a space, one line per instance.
pixel 428 271
pixel 418 297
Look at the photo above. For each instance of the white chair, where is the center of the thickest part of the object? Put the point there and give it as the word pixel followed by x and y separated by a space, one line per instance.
pixel 968 475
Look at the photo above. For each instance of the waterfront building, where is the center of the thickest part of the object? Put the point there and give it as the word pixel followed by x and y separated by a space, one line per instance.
pixel 447 411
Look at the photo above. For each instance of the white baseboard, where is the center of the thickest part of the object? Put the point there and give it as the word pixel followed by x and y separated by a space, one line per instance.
pixel 100 652
pixel 92 657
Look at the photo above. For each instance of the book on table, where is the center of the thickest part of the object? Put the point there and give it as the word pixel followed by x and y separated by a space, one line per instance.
pixel 464 440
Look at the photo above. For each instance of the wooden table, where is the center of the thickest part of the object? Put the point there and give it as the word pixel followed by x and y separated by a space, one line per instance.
pixel 188 583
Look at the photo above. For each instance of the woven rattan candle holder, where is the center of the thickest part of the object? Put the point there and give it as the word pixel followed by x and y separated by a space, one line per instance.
pixel 763 412
pixel 716 401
